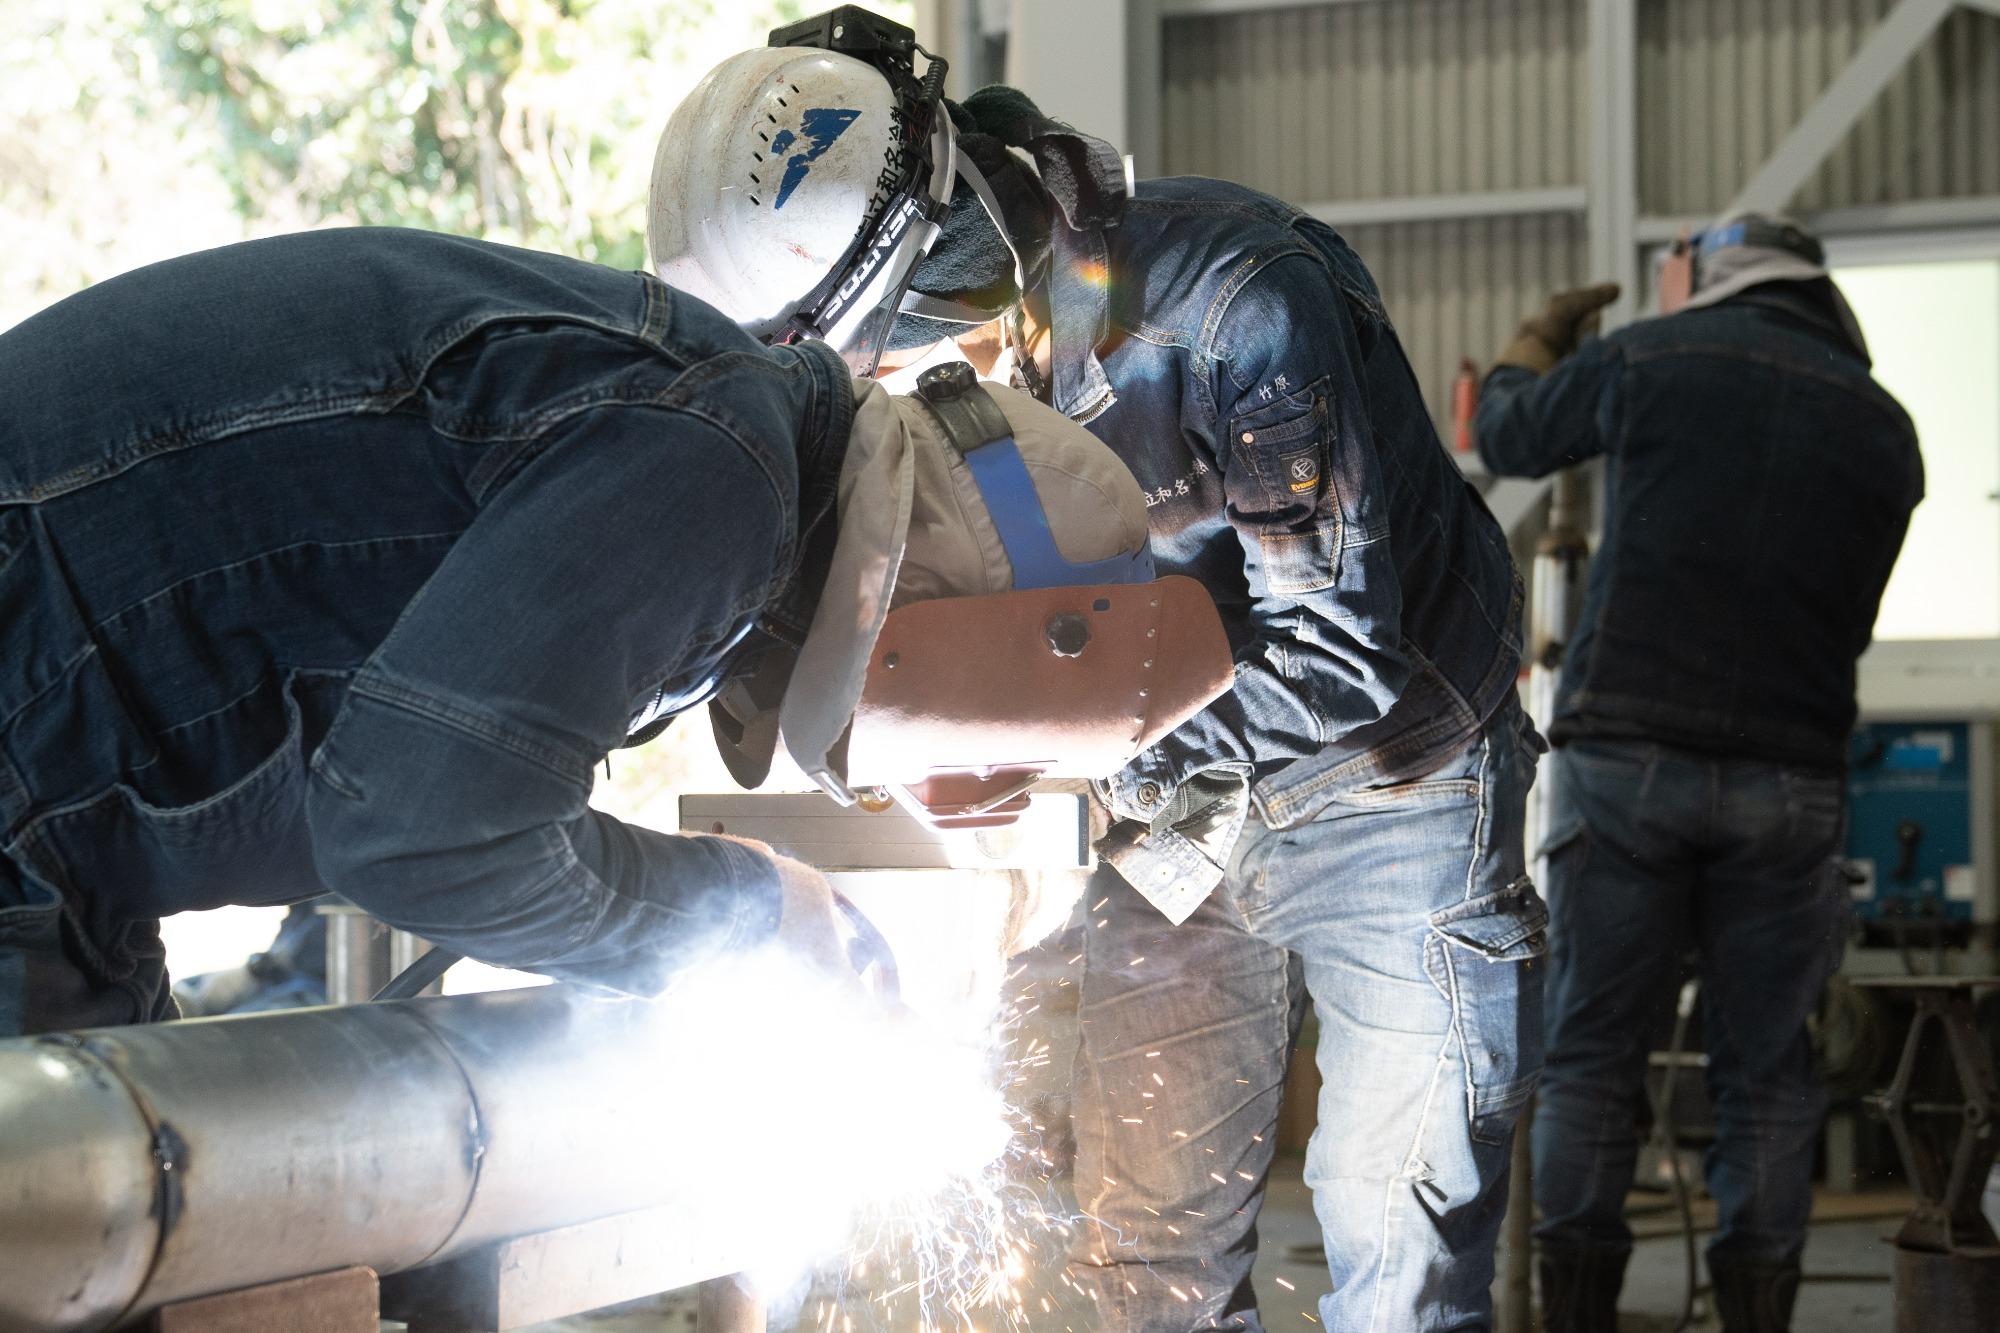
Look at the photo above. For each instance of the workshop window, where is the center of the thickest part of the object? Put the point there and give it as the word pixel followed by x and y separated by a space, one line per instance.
pixel 1934 331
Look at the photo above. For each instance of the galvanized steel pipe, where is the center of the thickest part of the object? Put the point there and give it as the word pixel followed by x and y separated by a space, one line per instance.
pixel 141 1166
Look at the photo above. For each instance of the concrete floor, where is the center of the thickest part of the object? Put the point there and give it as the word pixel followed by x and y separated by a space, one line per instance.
pixel 1848 1263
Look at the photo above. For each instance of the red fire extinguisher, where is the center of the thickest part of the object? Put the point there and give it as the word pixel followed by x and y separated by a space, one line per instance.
pixel 1464 402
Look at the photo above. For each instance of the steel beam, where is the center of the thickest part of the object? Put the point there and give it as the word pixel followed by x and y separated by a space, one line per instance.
pixel 1913 215
pixel 1145 87
pixel 1070 58
pixel 1052 834
pixel 1449 207
pixel 1902 31
pixel 1614 153
pixel 1185 8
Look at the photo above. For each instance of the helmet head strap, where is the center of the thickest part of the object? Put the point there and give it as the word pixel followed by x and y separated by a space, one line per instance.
pixel 914 193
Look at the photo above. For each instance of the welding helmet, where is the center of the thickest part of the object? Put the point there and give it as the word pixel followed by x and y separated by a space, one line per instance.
pixel 990 617
pixel 1738 252
pixel 798 187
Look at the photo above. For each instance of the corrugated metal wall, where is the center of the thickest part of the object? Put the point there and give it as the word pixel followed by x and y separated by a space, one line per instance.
pixel 1722 81
pixel 1391 97
pixel 1388 98
pixel 1458 289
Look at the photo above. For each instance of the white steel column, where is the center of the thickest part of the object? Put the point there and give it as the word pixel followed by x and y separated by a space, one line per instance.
pixel 1613 205
pixel 1145 83
pixel 1069 55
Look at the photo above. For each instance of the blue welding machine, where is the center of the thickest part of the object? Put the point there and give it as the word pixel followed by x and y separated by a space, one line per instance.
pixel 1911 812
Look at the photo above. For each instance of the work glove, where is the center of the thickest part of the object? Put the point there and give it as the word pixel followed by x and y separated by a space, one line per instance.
pixel 809 923
pixel 1548 337
pixel 1177 858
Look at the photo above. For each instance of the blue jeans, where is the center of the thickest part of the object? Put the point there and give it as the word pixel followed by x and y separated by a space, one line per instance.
pixel 1656 849
pixel 52 978
pixel 1407 913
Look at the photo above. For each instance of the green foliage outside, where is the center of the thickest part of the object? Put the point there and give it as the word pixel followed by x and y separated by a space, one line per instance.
pixel 135 129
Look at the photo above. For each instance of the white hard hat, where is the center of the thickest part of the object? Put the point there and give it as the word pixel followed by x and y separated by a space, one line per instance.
pixel 764 176
pixel 797 190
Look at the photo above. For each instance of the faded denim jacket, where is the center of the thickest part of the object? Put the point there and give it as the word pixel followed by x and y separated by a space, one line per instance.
pixel 340 560
pixel 1235 354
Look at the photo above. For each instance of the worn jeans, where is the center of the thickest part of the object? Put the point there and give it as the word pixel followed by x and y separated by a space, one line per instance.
pixel 1407 912
pixel 51 979
pixel 1655 849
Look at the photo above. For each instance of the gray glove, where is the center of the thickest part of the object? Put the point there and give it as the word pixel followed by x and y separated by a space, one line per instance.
pixel 1176 860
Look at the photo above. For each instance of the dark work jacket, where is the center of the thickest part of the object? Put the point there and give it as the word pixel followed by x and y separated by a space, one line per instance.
pixel 339 561
pixel 1757 486
pixel 1234 352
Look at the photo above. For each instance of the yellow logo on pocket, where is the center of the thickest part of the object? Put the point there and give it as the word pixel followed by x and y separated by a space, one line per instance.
pixel 1301 472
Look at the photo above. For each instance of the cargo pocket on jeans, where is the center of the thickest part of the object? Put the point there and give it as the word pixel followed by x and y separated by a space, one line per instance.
pixel 1482 954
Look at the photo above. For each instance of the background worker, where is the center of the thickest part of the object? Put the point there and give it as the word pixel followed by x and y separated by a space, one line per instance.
pixel 339 561
pixel 1372 756
pixel 1758 492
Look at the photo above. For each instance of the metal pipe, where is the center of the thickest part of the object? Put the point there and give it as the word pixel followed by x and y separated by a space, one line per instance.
pixel 145 1165
pixel 357 953
pixel 1562 558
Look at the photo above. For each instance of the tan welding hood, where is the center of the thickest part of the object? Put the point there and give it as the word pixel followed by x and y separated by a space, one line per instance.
pixel 991 617
pixel 968 700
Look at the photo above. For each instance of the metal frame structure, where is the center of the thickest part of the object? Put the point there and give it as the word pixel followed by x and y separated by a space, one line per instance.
pixel 1608 199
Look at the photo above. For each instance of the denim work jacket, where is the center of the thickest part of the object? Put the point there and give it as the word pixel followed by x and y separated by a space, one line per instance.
pixel 1235 354
pixel 340 560
pixel 1758 486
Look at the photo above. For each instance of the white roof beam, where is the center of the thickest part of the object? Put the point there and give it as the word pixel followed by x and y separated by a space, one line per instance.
pixel 1902 31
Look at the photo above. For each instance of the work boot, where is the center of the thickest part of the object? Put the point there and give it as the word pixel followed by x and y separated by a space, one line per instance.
pixel 1580 1287
pixel 1753 1296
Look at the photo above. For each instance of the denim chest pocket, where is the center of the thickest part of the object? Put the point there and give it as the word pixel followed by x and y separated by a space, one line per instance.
pixel 1482 955
pixel 1279 486
pixel 118 857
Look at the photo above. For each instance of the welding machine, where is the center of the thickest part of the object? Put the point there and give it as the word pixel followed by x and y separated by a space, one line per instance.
pixel 1919 826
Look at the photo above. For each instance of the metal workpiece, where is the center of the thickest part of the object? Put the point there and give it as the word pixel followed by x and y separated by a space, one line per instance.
pixel 346 1133
pixel 77 1181
pixel 363 954
pixel 141 1166
pixel 357 953
pixel 1052 833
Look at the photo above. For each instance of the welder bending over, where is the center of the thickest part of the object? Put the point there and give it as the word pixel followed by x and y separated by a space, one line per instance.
pixel 339 561
pixel 1758 487
pixel 1348 819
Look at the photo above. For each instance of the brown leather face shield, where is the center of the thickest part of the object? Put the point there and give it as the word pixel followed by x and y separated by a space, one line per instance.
pixel 969 700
